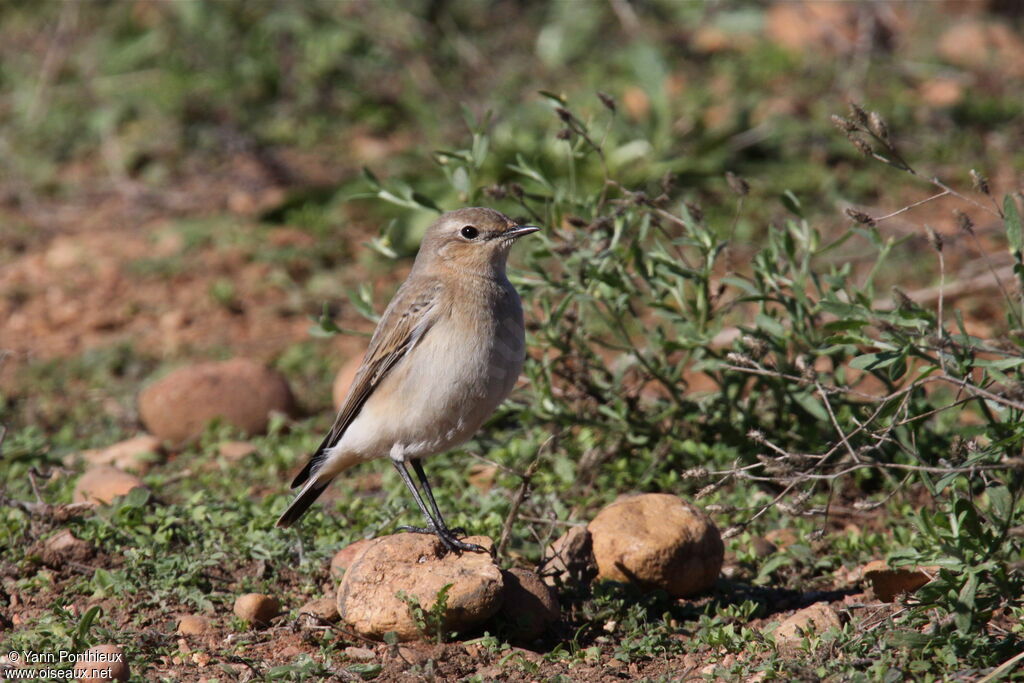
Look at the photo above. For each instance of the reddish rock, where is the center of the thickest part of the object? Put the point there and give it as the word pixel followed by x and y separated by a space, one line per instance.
pixel 104 484
pixel 418 566
pixel 240 392
pixel 815 619
pixel 256 609
pixel 657 540
pixel 888 583
pixel 321 610
pixel 193 625
pixel 64 547
pixel 103 663
pixel 529 606
pixel 571 558
pixel 137 454
pixel 343 559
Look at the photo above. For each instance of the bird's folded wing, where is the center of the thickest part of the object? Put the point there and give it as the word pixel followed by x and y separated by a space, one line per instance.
pixel 407 318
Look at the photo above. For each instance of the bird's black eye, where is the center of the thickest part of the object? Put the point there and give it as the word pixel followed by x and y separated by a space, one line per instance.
pixel 469 232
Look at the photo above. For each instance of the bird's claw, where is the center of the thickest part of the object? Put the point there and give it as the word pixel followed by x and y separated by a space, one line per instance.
pixel 447 537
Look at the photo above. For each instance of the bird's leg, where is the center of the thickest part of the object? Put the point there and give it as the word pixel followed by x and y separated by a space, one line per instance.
pixel 417 466
pixel 435 527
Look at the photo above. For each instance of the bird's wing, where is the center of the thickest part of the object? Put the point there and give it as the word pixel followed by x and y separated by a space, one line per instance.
pixel 407 318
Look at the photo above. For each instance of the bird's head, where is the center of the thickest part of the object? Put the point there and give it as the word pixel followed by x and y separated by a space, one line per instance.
pixel 474 240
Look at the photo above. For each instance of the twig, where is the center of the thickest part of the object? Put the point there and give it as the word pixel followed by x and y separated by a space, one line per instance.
pixel 520 496
pixel 944 193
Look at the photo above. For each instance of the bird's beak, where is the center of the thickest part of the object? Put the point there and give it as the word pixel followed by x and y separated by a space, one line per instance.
pixel 519 231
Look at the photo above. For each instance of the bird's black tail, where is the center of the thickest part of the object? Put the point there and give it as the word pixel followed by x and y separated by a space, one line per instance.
pixel 309 493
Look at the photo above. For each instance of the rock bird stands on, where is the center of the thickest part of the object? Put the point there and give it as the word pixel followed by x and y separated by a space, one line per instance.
pixel 445 354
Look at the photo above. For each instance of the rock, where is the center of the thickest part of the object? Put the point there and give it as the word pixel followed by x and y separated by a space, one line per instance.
pixel 63 547
pixel 360 654
pixel 343 380
pixel 817 618
pixel 193 625
pixel 657 540
pixel 941 92
pixel 888 583
pixel 240 392
pixel 418 566
pixel 235 450
pixel 528 605
pixel 781 538
pixel 819 27
pixel 481 476
pixel 343 559
pixel 762 547
pixel 103 484
pixel 137 454
pixel 256 608
pixel 103 663
pixel 571 558
pixel 976 44
pixel 321 610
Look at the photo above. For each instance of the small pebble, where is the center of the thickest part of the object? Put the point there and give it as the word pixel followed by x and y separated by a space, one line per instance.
pixel 257 608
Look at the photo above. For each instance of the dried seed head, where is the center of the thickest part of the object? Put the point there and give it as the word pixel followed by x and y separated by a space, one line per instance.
pixel 859 216
pixel 859 115
pixel 844 124
pixel 862 147
pixel 756 436
pixel 564 114
pixel 706 491
pixel 934 238
pixel 877 125
pixel 564 134
pixel 732 531
pixel 740 359
pixel 738 184
pixel 516 189
pixel 695 473
pixel 668 181
pixel 607 101
pixel 964 221
pixel 496 191
pixel 757 347
pixel 577 222
pixel 903 301
pixel 980 183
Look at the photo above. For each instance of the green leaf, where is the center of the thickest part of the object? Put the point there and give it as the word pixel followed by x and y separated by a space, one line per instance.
pixel 770 325
pixel 480 146
pixel 964 609
pixel 812 405
pixel 426 202
pixel 790 201
pixel 876 361
pixel 845 325
pixel 552 97
pixel 1013 226
pixel 1001 501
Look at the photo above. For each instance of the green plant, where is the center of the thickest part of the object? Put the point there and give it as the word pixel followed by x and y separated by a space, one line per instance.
pixel 430 621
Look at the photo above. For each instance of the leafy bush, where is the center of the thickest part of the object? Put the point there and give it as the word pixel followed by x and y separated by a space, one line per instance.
pixel 814 387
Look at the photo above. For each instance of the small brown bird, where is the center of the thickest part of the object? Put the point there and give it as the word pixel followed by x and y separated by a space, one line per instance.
pixel 445 354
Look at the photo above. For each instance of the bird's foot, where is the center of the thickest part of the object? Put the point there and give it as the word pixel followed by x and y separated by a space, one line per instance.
pixel 447 537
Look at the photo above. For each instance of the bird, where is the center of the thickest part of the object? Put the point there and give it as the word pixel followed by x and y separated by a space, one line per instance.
pixel 445 354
